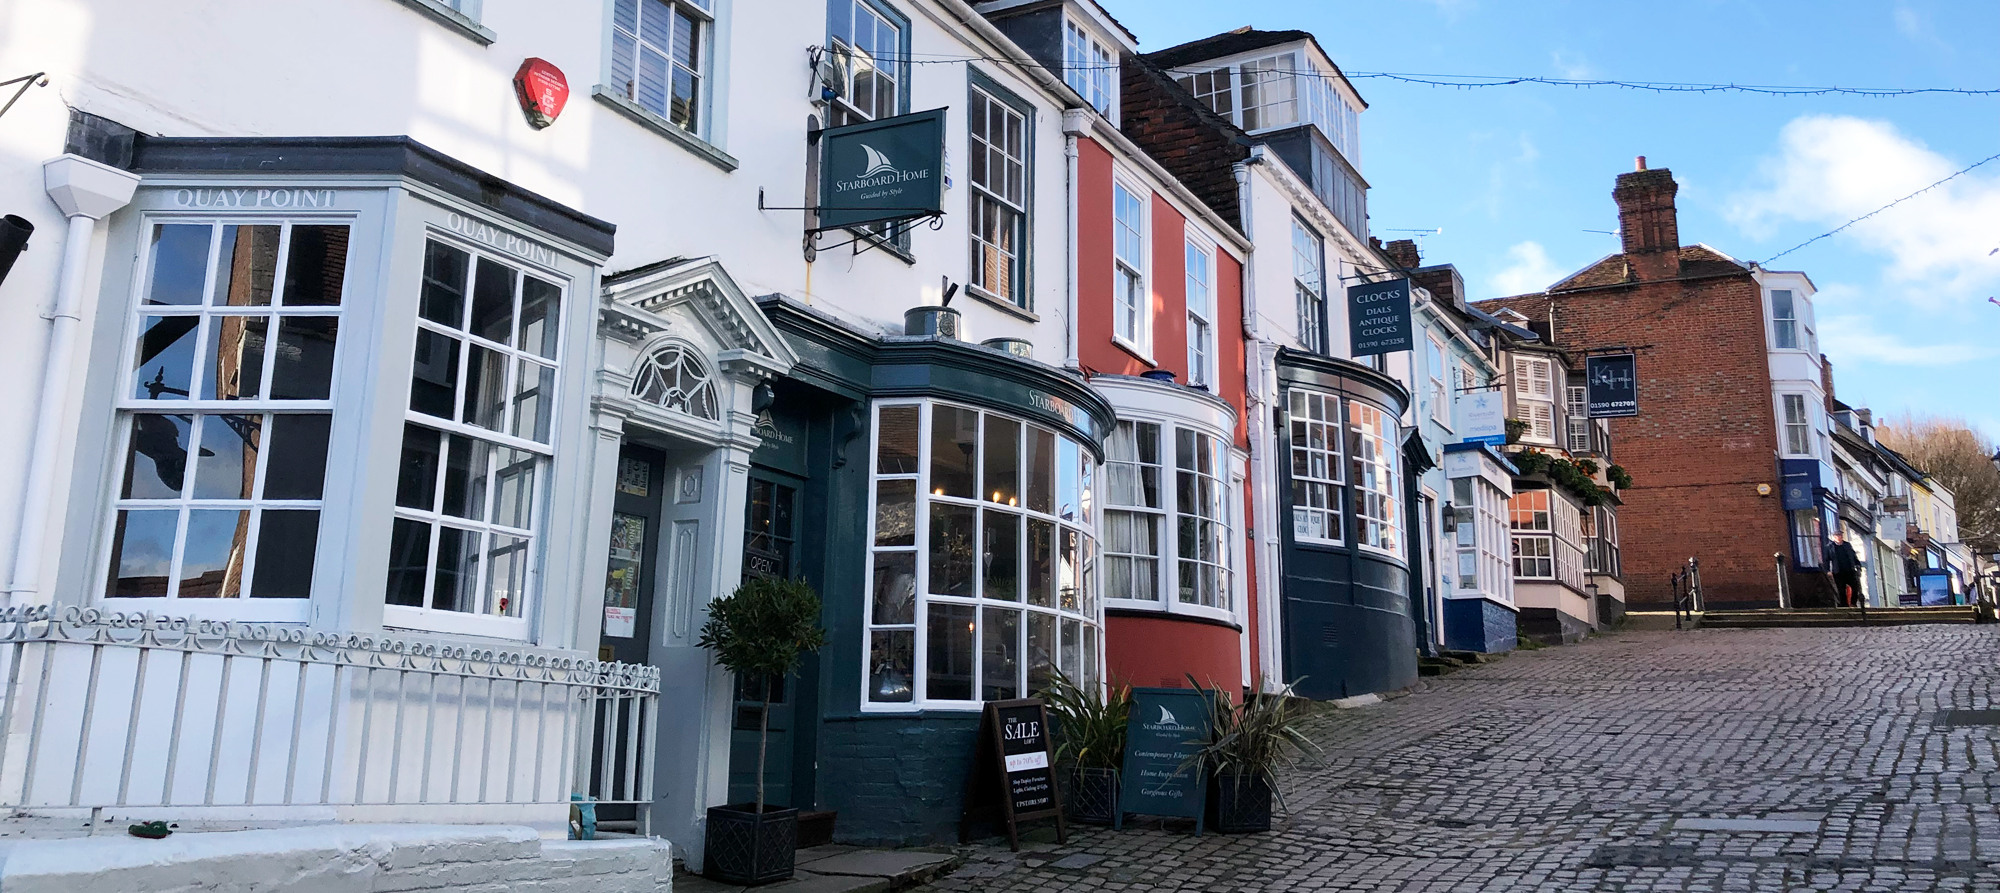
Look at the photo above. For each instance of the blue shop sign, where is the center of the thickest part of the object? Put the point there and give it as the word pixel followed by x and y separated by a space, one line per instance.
pixel 1800 489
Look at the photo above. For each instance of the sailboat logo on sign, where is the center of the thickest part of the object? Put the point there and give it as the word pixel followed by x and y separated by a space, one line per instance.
pixel 1167 717
pixel 878 163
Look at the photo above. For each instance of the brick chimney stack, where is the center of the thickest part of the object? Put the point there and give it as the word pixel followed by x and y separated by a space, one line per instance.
pixel 1647 222
pixel 1403 252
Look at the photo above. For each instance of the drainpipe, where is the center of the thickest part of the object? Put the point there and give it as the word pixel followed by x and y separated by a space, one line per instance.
pixel 1261 381
pixel 85 191
pixel 1075 125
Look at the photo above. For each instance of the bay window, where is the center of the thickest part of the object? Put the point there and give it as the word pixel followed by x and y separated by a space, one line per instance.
pixel 1548 538
pixel 1140 506
pixel 226 411
pixel 1131 306
pixel 1378 487
pixel 982 558
pixel 1480 522
pixel 476 445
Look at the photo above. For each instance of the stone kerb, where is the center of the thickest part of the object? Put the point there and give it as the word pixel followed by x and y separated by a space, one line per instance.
pixel 338 859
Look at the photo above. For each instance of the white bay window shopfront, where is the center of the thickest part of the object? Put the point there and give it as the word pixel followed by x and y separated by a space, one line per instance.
pixel 331 399
pixel 1479 609
pixel 983 557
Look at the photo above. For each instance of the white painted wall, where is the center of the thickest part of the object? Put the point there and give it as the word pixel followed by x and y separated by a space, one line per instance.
pixel 377 67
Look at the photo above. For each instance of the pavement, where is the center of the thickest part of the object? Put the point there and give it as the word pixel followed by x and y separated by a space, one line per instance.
pixel 1718 760
pixel 841 869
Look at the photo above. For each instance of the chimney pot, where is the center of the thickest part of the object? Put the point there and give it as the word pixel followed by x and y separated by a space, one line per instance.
pixel 1639 164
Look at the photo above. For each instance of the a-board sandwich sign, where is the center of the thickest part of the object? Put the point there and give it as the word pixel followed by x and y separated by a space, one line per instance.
pixel 1016 767
pixel 1166 727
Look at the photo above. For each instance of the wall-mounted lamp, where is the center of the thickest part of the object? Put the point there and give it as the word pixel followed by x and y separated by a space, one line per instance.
pixel 763 397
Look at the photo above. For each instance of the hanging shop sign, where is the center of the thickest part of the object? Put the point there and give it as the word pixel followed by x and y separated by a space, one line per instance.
pixel 543 91
pixel 1800 488
pixel 881 171
pixel 1167 726
pixel 1015 767
pixel 1378 317
pixel 1482 417
pixel 1612 385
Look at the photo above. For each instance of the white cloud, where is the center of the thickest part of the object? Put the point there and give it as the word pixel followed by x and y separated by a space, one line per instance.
pixel 1908 23
pixel 1574 67
pixel 1861 339
pixel 1831 169
pixel 1529 269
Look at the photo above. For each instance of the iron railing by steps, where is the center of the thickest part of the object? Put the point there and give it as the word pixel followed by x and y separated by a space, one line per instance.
pixel 104 710
pixel 1686 586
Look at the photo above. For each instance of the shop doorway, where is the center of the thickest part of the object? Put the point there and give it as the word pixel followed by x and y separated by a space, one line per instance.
pixel 634 550
pixel 770 549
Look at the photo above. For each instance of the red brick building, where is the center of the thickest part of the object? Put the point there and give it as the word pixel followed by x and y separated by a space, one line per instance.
pixel 1704 451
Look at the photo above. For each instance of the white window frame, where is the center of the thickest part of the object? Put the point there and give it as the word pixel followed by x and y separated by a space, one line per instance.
pixel 1134 511
pixel 1131 298
pixel 1086 617
pixel 1201 337
pixel 1330 455
pixel 1785 326
pixel 244 608
pixel 1795 434
pixel 1017 292
pixel 519 623
pixel 1090 68
pixel 1376 450
pixel 1309 287
pixel 1168 517
pixel 1576 418
pixel 1479 509
pixel 1535 397
pixel 1534 539
pixel 1436 362
pixel 702 14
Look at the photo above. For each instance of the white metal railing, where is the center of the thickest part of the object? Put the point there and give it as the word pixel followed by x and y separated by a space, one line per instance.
pixel 101 709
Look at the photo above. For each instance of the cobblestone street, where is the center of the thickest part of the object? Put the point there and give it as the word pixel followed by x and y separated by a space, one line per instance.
pixel 1780 759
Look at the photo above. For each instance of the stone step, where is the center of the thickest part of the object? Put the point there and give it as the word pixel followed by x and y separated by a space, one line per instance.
pixel 1839 617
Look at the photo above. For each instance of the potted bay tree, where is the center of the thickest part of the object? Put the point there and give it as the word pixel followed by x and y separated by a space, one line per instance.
pixel 1090 736
pixel 760 632
pixel 1248 742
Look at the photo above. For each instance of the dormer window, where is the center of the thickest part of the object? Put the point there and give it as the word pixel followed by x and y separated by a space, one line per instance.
pixel 1090 68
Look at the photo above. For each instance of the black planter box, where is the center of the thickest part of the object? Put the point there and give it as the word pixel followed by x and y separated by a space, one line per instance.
pixel 743 847
pixel 816 828
pixel 1091 796
pixel 1239 804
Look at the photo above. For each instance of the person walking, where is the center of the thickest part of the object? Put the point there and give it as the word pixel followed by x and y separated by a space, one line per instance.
pixel 1846 568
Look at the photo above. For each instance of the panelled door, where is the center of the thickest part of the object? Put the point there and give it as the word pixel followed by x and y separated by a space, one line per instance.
pixel 770 549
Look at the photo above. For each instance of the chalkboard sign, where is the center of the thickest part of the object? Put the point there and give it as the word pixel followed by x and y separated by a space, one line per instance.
pixel 1015 765
pixel 1166 727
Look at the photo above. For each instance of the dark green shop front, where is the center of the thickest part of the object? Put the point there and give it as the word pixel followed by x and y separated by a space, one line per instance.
pixel 1346 607
pixel 867 493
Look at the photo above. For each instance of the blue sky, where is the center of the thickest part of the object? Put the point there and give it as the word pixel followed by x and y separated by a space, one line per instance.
pixel 1516 175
